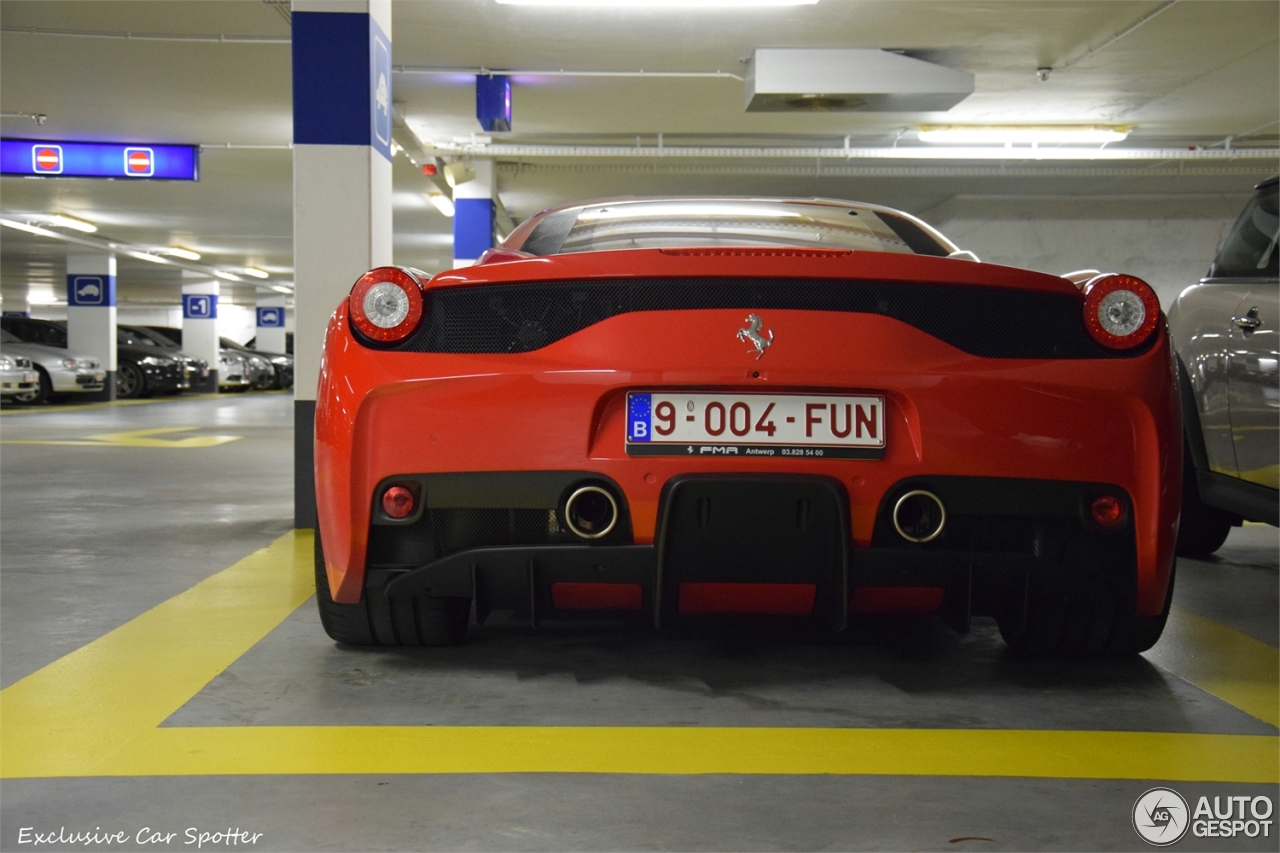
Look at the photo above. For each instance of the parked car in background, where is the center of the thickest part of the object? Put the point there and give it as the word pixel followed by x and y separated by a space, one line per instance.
pixel 143 368
pixel 59 373
pixel 281 365
pixel 259 369
pixel 686 408
pixel 1226 331
pixel 193 370
pixel 17 376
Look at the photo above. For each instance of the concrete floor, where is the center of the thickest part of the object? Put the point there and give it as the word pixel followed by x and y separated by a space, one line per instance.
pixel 261 723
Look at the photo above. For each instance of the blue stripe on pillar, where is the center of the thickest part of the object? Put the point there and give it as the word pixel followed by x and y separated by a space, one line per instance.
pixel 472 227
pixel 331 69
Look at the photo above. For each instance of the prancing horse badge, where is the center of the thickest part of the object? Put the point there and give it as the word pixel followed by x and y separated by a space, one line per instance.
pixel 752 334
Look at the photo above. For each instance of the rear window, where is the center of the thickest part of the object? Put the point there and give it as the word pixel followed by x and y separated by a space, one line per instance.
pixel 681 223
pixel 1250 248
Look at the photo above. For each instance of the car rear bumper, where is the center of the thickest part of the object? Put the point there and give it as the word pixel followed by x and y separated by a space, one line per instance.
pixel 563 408
pixel 763 544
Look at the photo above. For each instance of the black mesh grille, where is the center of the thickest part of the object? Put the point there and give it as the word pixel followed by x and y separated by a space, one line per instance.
pixel 984 321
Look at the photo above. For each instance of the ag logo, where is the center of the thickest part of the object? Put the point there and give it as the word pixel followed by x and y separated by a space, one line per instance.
pixel 1160 816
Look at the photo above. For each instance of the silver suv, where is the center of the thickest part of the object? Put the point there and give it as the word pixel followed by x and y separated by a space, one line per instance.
pixel 1226 331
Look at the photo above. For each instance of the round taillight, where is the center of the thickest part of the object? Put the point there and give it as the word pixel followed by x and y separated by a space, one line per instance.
pixel 1107 511
pixel 1120 311
pixel 397 502
pixel 386 304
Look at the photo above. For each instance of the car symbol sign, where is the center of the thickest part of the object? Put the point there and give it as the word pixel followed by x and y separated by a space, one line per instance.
pixel 139 162
pixel 269 318
pixel 46 159
pixel 87 290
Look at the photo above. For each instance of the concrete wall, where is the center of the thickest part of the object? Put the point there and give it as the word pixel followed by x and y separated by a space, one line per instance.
pixel 1168 241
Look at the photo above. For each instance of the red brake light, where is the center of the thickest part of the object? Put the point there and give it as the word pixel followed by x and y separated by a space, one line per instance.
pixel 386 304
pixel 1120 311
pixel 397 502
pixel 1107 511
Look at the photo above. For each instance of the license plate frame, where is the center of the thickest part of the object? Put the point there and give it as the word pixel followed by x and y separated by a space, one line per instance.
pixel 805 426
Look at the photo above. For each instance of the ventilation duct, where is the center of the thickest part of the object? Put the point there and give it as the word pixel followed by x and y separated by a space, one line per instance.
pixel 822 79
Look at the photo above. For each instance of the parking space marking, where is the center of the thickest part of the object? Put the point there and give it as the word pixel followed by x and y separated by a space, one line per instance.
pixel 1220 660
pixel 150 401
pixel 136 438
pixel 98 711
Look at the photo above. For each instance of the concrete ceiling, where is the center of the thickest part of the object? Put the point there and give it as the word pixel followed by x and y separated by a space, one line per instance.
pixel 1197 72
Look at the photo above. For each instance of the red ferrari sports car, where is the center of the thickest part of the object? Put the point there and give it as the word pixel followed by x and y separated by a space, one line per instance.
pixel 688 407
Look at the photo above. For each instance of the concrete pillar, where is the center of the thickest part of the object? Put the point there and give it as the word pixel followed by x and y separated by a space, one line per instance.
pixel 473 214
pixel 270 328
pixel 341 186
pixel 200 327
pixel 91 312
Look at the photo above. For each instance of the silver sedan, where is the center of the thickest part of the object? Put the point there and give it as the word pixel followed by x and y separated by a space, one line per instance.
pixel 58 373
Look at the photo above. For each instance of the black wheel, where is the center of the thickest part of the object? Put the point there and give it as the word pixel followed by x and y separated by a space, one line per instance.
pixel 1082 607
pixel 380 621
pixel 130 383
pixel 41 394
pixel 1202 529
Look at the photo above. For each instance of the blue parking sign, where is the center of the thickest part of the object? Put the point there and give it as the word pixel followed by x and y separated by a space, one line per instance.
pixel 97 291
pixel 199 306
pixel 271 318
pixel 379 89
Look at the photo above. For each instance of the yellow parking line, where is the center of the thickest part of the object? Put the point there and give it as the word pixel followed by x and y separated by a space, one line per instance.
pixel 97 712
pixel 1231 665
pixel 150 401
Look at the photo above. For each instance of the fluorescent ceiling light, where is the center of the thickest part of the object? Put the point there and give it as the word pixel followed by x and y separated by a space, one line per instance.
pixel 227 276
pixel 443 203
pixel 255 272
pixel 179 252
pixel 30 229
pixel 287 291
pixel 1045 135
pixel 71 222
pixel 661 4
pixel 145 256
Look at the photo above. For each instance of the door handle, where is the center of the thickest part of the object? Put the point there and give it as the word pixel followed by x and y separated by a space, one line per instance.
pixel 1249 321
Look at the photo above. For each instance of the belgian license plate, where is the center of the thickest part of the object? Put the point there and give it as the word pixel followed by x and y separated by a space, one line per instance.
pixel 31 377
pixel 778 425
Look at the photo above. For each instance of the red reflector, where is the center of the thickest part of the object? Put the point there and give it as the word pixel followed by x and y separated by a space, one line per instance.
pixel 767 599
pixel 596 596
pixel 397 502
pixel 1107 511
pixel 429 169
pixel 896 599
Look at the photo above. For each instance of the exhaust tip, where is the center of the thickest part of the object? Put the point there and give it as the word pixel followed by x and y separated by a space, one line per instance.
pixel 919 516
pixel 591 512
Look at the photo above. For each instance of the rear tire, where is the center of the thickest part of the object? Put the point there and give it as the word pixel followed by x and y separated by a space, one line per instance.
pixel 1202 529
pixel 380 621
pixel 1071 613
